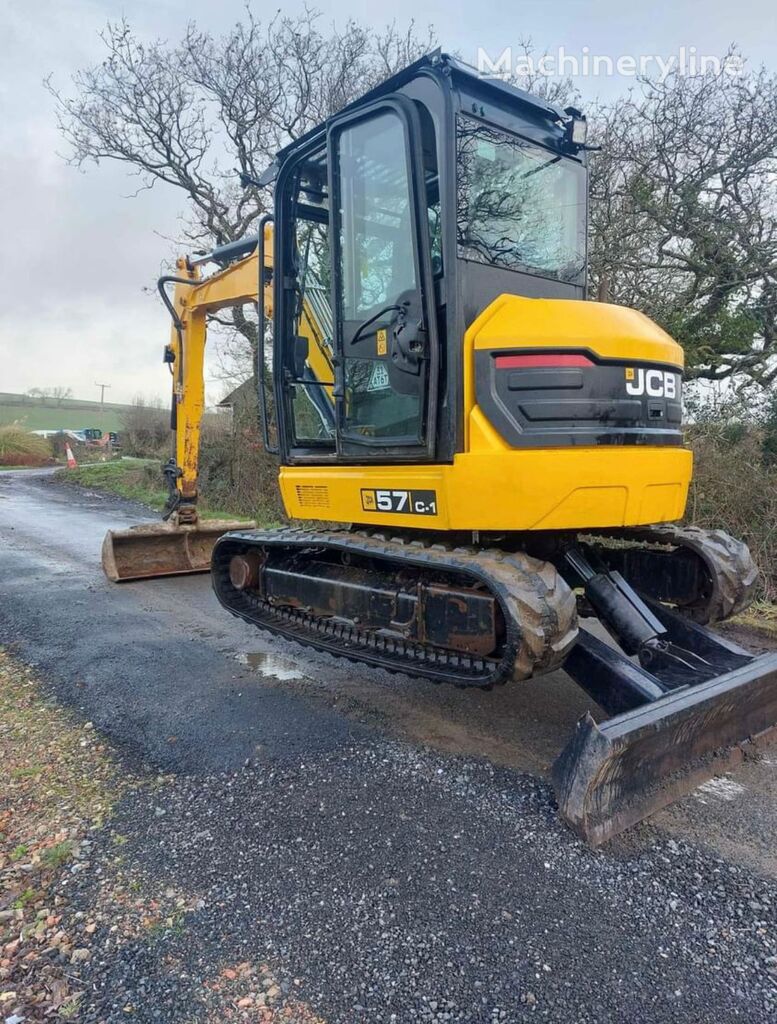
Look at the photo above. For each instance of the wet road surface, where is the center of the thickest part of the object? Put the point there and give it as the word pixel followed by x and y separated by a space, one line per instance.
pixel 178 686
pixel 67 615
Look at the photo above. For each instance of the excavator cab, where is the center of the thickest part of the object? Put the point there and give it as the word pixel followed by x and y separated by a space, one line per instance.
pixel 352 229
pixel 407 214
pixel 486 460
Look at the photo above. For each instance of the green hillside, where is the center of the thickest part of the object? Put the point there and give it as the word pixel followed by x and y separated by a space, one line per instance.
pixel 69 414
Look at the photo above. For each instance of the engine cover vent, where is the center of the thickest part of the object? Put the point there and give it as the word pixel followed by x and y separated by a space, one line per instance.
pixel 313 495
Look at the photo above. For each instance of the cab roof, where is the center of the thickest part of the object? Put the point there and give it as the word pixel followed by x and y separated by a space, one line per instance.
pixel 465 77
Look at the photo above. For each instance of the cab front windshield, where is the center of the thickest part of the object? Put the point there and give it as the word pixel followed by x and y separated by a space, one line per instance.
pixel 519 206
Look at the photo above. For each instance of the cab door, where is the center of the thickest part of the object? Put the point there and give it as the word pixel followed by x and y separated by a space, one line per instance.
pixel 386 346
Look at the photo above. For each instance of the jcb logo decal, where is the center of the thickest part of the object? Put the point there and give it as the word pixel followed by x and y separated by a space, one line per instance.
pixel 654 383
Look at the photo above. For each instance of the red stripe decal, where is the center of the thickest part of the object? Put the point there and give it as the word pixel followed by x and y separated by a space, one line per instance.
pixel 532 361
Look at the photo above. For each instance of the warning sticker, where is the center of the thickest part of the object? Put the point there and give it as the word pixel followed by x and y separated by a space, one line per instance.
pixel 379 379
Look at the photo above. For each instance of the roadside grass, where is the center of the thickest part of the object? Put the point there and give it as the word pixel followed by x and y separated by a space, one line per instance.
pixel 20 448
pixel 760 616
pixel 57 787
pixel 135 479
pixel 72 898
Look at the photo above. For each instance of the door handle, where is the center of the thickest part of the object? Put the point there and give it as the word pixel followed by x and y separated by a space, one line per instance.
pixel 338 391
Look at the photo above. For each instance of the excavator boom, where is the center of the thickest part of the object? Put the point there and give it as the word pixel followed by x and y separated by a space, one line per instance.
pixel 183 542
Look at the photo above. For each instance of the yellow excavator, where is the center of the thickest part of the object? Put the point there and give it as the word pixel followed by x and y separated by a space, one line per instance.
pixel 486 460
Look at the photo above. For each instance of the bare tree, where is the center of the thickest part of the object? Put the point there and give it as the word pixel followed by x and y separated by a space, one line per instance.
pixel 684 191
pixel 41 394
pixel 145 429
pixel 59 394
pixel 195 113
pixel 560 90
pixel 684 195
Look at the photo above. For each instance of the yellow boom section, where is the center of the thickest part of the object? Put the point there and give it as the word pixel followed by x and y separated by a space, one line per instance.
pixel 184 544
pixel 236 284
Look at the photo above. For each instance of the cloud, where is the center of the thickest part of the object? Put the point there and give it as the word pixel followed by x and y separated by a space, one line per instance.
pixel 78 260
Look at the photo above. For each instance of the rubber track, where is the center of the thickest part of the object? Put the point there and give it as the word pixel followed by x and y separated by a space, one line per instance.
pixel 730 567
pixel 538 607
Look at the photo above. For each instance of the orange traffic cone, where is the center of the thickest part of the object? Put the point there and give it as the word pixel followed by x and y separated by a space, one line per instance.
pixel 71 459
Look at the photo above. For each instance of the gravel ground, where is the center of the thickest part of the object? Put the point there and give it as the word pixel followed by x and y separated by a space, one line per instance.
pixel 388 885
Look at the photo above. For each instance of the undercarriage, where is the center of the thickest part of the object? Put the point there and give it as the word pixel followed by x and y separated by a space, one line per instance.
pixel 486 612
pixel 475 614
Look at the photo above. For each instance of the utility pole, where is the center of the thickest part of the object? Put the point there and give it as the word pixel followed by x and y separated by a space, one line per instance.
pixel 102 388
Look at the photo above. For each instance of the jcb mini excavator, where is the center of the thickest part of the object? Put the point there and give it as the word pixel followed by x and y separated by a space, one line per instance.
pixel 484 458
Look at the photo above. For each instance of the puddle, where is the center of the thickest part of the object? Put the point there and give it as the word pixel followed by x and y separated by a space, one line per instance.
pixel 270 665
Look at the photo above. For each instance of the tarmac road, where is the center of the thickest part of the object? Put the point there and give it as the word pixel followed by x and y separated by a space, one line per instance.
pixel 424 872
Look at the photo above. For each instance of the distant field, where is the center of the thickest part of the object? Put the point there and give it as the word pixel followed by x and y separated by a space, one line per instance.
pixel 71 415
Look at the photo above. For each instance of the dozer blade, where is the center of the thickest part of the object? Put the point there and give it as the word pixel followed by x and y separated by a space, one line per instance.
pixel 163 549
pixel 614 774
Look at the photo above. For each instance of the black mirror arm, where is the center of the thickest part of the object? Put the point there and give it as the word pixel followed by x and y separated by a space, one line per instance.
pixel 394 308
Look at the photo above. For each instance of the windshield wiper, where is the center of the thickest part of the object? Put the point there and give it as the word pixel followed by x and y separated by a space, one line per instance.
pixel 536 170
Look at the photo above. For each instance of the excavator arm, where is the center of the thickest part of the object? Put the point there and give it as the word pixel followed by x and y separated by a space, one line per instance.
pixel 194 298
pixel 183 543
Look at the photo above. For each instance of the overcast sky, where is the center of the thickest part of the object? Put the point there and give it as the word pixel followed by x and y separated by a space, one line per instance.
pixel 79 258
